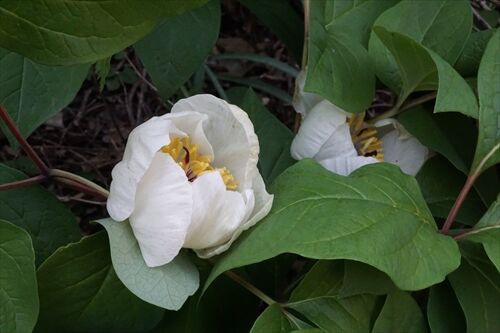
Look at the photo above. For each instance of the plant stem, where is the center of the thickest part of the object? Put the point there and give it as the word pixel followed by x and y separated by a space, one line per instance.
pixel 407 105
pixel 25 182
pixel 78 183
pixel 465 190
pixel 250 287
pixel 44 170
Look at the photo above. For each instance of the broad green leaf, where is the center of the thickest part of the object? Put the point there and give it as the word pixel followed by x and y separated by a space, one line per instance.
pixel 274 137
pixel 80 292
pixel 323 279
pixel 436 134
pixel 443 310
pixel 468 62
pixel 49 223
pixel 400 313
pixel 488 82
pixel 18 288
pixel 167 286
pixel 441 184
pixel 477 286
pixel 331 314
pixel 487 231
pixel 376 216
pixel 178 45
pixel 339 68
pixel 272 320
pixel 60 32
pixel 363 279
pixel 283 20
pixel 443 26
pixel 422 69
pixel 32 93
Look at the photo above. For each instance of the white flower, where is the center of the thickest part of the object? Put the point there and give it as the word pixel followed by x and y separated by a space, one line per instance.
pixel 343 142
pixel 190 179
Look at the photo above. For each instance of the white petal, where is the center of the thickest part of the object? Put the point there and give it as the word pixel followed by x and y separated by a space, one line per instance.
pixel 230 132
pixel 217 212
pixel 142 144
pixel 263 204
pixel 192 124
pixel 317 127
pixel 339 144
pixel 163 210
pixel 406 152
pixel 303 101
pixel 345 165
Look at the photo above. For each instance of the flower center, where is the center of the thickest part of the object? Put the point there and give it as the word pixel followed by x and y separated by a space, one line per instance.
pixel 364 137
pixel 193 163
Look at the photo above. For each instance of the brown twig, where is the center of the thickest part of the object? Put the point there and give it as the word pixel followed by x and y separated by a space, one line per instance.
pixel 44 169
pixel 25 182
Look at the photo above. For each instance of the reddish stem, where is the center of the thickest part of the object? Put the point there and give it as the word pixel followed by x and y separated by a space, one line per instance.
pixel 458 203
pixel 25 182
pixel 22 141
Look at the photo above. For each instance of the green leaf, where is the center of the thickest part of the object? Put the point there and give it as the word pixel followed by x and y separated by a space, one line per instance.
pixel 477 286
pixel 435 131
pixel 360 278
pixel 443 26
pixel 443 310
pixel 167 286
pixel 49 223
pixel 339 68
pixel 488 82
pixel 80 292
pixel 168 53
pixel 468 62
pixel 487 232
pixel 422 69
pixel 58 32
pixel 441 184
pixel 331 314
pixel 283 20
pixel 376 216
pixel 259 85
pixel 102 68
pixel 323 279
pixel 274 137
pixel 272 320
pixel 32 93
pixel 400 314
pixel 19 295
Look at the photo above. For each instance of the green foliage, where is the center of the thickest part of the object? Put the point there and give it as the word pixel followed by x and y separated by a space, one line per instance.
pixel 80 291
pixel 49 32
pixel 167 286
pixel 399 227
pixel 49 223
pixel 443 310
pixel 488 83
pixel 32 93
pixel 19 295
pixel 171 60
pixel 272 320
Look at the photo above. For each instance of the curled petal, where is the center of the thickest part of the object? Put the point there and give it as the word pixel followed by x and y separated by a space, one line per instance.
pixel 304 101
pixel 321 122
pixel 163 209
pixel 192 124
pixel 345 165
pixel 262 206
pixel 339 144
pixel 230 132
pixel 405 151
pixel 142 144
pixel 217 212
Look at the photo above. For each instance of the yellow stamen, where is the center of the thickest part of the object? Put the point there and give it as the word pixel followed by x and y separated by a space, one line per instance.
pixel 187 155
pixel 365 137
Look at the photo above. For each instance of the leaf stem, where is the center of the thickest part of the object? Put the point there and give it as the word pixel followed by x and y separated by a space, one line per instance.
pixel 407 105
pixel 25 182
pixel 79 183
pixel 44 169
pixel 250 287
pixel 465 190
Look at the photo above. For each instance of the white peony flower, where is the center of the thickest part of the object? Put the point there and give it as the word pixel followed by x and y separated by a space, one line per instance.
pixel 343 142
pixel 190 179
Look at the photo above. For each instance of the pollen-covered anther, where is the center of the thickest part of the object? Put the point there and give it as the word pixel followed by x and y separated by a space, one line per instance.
pixel 365 138
pixel 187 155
